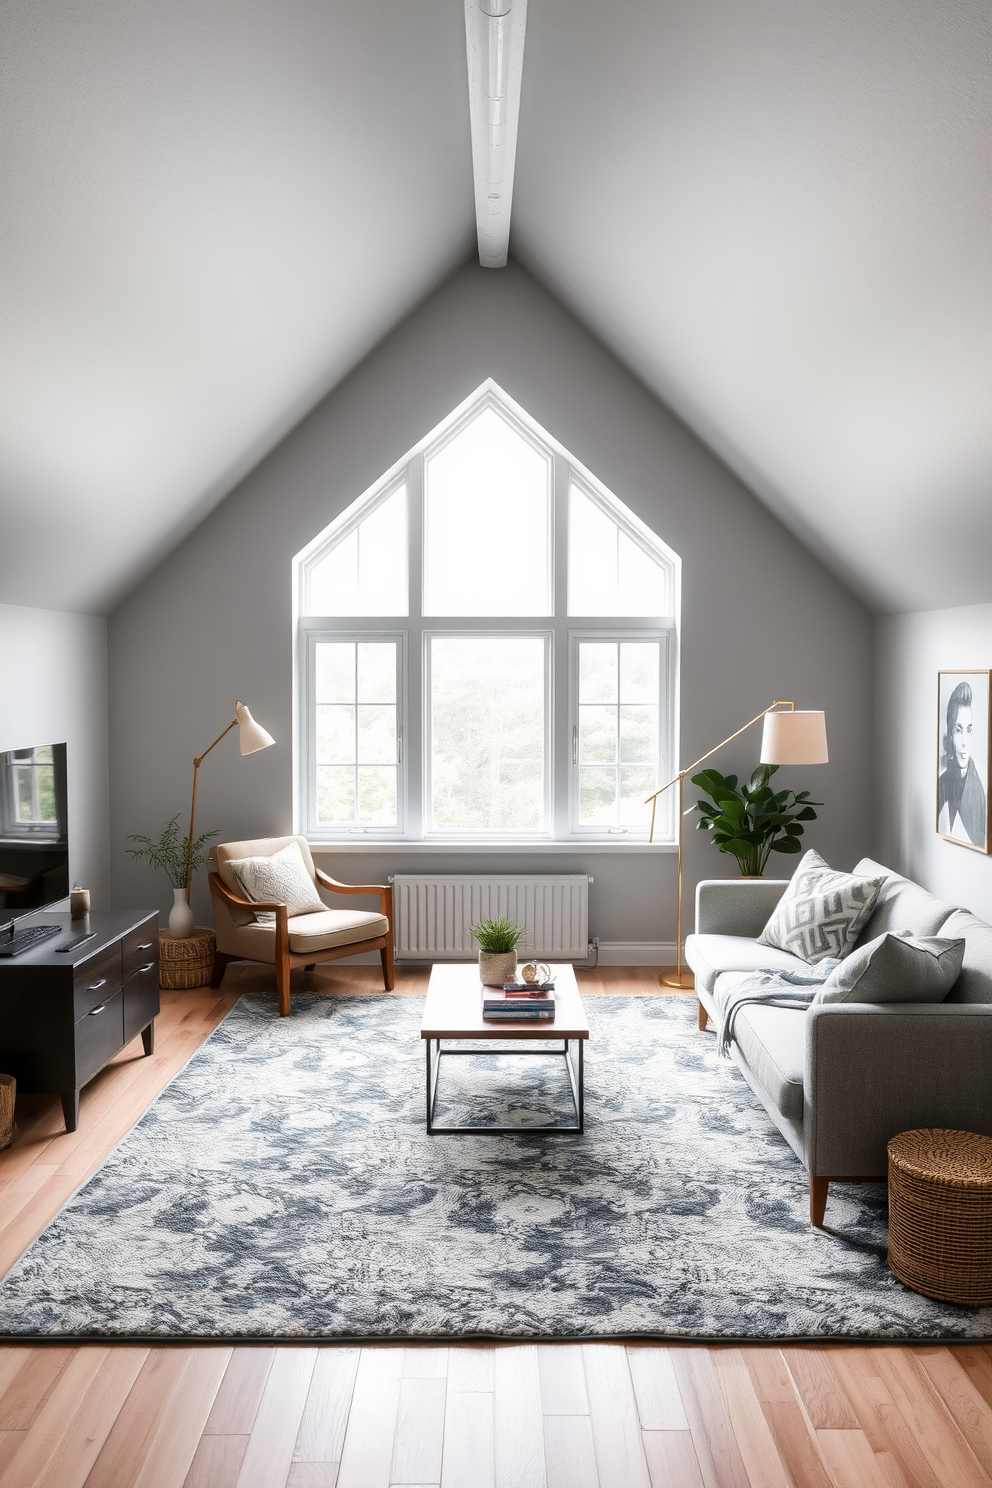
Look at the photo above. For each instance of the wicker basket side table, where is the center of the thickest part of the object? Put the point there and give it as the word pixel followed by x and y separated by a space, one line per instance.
pixel 188 962
pixel 940 1214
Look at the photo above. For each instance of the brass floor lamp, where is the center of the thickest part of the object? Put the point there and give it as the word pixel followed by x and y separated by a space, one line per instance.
pixel 793 738
pixel 252 736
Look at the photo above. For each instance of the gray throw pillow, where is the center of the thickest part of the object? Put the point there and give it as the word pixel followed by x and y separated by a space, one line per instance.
pixel 896 968
pixel 822 912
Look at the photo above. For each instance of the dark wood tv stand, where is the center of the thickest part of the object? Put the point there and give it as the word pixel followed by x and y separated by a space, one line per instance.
pixel 63 1016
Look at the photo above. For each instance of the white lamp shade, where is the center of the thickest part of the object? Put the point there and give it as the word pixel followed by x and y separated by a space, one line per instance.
pixel 794 739
pixel 252 736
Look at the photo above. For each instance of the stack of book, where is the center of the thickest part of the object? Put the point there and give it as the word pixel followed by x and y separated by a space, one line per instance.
pixel 519 1000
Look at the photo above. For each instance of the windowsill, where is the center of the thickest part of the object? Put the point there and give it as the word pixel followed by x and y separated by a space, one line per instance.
pixel 452 849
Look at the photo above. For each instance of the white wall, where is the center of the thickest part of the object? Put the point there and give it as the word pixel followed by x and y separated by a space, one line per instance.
pixel 911 651
pixel 55 688
pixel 762 618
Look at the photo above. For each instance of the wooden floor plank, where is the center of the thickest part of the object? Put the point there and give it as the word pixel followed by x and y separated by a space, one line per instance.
pixel 793 1435
pixel 173 1447
pixel 563 1381
pixel 616 1431
pixel 425 1363
pixel 518 1427
pixel 368 1442
pixel 961 1399
pixel 656 1390
pixel 879 1417
pixel 719 1457
pixel 61 1446
pixel 752 1433
pixel 819 1389
pixel 419 1437
pixel 216 1462
pixel 944 1448
pixel 273 1436
pixel 126 1447
pixel 325 1415
pixel 471 1369
pixel 469 1459
pixel 672 1460
pixel 314 1475
pixel 30 1385
pixel 850 1459
pixel 569 1452
pixel 236 1405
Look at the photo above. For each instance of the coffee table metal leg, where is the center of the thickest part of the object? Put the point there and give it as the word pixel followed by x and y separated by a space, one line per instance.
pixel 433 1066
pixel 576 1082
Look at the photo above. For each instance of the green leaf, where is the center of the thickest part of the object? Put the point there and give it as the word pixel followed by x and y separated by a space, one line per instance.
pixel 787 845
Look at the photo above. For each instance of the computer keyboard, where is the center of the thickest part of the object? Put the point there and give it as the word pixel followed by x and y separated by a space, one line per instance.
pixel 26 940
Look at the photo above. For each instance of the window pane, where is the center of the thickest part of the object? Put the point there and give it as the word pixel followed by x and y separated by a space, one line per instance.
pixel 487 733
pixel 640 665
pixel 376 735
pixel 597 797
pixel 377 796
pixel 335 667
pixel 335 795
pixel 598 672
pixel 45 787
pixel 597 736
pixel 356 753
pixel 638 736
pixel 376 672
pixel 335 736
pixel 635 784
pixel 366 573
pixel 487 520
pixel 609 573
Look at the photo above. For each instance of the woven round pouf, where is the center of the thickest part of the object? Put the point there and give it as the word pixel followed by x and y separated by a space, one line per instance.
pixel 188 962
pixel 940 1214
pixel 8 1090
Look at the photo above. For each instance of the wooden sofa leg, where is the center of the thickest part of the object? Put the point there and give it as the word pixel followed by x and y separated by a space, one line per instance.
pixel 386 957
pixel 817 1200
pixel 702 1016
pixel 221 963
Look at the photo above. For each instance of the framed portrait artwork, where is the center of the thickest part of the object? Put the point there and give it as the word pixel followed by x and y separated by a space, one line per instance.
pixel 963 729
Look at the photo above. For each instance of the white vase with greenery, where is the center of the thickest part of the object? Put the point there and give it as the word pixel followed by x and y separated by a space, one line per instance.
pixel 172 854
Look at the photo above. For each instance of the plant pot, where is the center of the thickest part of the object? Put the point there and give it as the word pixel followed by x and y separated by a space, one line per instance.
pixel 180 916
pixel 497 967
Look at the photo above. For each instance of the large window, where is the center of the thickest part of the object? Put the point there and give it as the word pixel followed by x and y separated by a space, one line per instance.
pixel 485 649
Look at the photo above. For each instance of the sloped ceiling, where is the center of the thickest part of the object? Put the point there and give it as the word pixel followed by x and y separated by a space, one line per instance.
pixel 778 214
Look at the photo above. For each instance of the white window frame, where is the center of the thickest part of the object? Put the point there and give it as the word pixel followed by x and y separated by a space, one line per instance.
pixel 562 634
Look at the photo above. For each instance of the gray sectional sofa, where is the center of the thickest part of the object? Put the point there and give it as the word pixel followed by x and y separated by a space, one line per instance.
pixel 839 1080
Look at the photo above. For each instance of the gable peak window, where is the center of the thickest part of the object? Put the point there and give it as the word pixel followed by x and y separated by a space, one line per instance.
pixel 485 648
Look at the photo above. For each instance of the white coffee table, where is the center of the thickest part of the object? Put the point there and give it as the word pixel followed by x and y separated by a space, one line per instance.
pixel 453 1015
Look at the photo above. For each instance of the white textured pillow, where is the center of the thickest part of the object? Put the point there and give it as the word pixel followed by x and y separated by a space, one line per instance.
pixel 896 968
pixel 822 912
pixel 279 879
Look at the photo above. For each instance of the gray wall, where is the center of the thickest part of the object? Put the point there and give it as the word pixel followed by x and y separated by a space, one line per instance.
pixel 762 618
pixel 55 689
pixel 911 651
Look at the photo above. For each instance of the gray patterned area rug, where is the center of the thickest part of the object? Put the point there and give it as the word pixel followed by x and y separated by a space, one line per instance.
pixel 283 1186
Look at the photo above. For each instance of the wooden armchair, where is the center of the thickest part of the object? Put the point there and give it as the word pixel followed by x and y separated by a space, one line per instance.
pixel 294 940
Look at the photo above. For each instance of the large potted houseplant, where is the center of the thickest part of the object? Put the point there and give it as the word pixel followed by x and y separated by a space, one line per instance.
pixel 178 861
pixel 751 821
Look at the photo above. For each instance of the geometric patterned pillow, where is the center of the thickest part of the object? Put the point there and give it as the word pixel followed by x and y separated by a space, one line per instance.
pixel 822 912
pixel 280 879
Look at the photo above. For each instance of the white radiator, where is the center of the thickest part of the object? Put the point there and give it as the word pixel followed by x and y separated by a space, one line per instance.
pixel 433 914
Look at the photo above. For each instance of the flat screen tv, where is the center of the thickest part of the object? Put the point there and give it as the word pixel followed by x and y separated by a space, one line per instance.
pixel 34 841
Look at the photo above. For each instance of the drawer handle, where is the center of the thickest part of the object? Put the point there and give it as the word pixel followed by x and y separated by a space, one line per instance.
pixel 147 945
pixel 97 985
pixel 147 967
pixel 93 1011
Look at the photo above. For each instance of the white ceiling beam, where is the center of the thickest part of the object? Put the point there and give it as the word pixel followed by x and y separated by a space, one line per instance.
pixel 494 40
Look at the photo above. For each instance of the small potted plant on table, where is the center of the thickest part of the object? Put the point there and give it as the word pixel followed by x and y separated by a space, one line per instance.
pixel 498 941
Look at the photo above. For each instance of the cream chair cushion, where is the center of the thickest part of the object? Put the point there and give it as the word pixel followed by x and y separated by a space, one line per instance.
pixel 308 934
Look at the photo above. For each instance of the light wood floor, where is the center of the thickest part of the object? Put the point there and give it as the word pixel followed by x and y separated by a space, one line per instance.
pixel 565 1416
